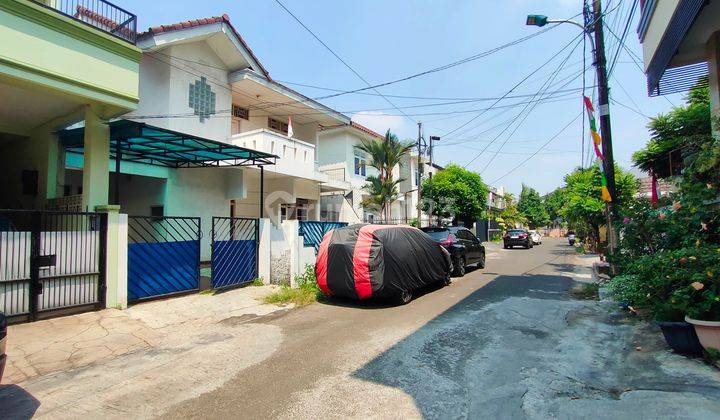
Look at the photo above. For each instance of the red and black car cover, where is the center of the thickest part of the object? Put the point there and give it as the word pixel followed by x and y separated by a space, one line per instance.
pixel 363 261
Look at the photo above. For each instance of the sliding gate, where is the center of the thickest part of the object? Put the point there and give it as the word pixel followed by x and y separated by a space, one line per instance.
pixel 163 256
pixel 51 263
pixel 234 251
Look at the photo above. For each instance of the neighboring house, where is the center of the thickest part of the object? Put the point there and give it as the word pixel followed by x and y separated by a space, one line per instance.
pixel 341 160
pixel 681 45
pixel 496 198
pixel 664 187
pixel 61 65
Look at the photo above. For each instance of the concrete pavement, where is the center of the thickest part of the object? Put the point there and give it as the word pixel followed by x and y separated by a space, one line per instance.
pixel 509 341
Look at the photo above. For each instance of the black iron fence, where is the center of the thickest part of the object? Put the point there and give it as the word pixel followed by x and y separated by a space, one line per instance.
pixel 51 261
pixel 100 14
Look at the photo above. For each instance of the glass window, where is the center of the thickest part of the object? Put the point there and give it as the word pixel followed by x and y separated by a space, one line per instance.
pixel 360 165
pixel 277 125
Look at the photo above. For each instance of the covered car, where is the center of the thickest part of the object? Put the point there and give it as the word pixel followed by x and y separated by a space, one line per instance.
pixel 364 261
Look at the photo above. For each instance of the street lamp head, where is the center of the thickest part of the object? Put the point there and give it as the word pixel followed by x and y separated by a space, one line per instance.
pixel 434 138
pixel 536 20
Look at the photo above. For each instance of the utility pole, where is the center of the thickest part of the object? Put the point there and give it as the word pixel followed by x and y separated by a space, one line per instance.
pixel 605 131
pixel 419 177
pixel 430 174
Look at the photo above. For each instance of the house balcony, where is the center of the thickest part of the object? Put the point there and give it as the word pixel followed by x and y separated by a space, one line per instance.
pixel 99 14
pixel 295 157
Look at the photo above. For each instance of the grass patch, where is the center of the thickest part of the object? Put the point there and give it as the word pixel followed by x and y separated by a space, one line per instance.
pixel 588 291
pixel 257 282
pixel 307 291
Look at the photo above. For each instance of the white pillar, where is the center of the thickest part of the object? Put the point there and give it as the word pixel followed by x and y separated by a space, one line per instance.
pixel 116 254
pixel 264 250
pixel 96 175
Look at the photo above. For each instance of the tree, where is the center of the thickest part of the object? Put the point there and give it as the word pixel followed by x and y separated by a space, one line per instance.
pixel 584 207
pixel 384 155
pixel 531 206
pixel 554 202
pixel 510 216
pixel 457 193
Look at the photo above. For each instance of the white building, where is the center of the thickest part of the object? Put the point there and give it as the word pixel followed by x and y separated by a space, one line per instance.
pixel 340 160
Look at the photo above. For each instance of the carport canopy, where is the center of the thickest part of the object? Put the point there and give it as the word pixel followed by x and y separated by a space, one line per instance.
pixel 139 142
pixel 134 141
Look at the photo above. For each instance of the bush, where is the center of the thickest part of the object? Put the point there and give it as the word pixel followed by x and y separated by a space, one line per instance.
pixel 306 292
pixel 673 284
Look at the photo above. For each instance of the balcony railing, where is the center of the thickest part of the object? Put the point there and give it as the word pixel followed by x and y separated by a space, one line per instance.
pixel 99 14
pixel 295 157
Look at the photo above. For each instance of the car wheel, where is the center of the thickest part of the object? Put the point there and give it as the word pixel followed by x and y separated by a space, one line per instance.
pixel 527 246
pixel 448 281
pixel 459 267
pixel 405 297
pixel 481 264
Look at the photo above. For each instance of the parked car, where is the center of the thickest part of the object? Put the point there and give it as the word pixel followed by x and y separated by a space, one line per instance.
pixel 379 261
pixel 464 247
pixel 3 341
pixel 536 238
pixel 517 237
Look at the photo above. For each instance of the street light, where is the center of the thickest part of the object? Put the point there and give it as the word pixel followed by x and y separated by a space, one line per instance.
pixel 542 20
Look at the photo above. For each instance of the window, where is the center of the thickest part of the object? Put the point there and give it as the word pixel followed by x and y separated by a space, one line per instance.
pixel 277 125
pixel 360 164
pixel 417 177
pixel 240 112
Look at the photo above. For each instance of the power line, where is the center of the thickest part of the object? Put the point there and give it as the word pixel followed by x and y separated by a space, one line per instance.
pixel 539 149
pixel 529 110
pixel 355 72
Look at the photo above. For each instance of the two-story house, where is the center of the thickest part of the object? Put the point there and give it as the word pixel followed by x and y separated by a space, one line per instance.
pixel 340 159
pixel 200 81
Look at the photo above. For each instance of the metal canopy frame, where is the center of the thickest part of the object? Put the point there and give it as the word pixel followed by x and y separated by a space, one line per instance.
pixel 133 141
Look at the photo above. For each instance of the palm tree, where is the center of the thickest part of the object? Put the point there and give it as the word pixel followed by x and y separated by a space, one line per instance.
pixel 384 155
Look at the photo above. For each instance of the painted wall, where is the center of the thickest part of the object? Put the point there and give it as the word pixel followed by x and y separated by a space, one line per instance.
pixel 56 51
pixel 165 89
pixel 664 11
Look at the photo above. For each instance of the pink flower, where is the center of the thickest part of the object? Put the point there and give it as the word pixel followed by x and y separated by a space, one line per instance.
pixel 626 220
pixel 697 285
pixel 677 206
pixel 661 216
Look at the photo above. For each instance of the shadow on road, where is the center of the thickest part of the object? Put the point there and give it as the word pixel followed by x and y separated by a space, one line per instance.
pixel 16 403
pixel 523 345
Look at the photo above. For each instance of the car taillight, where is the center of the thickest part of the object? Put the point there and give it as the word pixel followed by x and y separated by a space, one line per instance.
pixel 523 235
pixel 449 240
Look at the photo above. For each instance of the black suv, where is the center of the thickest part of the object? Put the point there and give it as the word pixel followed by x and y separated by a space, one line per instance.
pixel 464 247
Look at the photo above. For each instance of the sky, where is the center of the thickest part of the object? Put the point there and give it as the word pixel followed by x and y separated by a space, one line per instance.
pixel 385 40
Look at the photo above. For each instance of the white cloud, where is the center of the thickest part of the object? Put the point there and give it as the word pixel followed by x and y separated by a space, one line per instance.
pixel 381 122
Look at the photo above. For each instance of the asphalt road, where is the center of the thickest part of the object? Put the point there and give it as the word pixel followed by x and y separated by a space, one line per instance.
pixel 508 341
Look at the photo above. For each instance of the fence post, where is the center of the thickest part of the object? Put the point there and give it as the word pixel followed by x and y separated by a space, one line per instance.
pixel 263 247
pixel 116 257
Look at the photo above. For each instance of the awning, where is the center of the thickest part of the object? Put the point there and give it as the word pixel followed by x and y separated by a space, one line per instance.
pixel 138 142
pixel 662 80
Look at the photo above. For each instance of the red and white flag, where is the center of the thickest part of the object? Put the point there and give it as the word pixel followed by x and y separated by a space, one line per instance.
pixel 290 130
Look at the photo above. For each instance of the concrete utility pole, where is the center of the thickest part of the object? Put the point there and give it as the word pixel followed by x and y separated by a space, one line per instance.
pixel 419 177
pixel 605 131
pixel 430 174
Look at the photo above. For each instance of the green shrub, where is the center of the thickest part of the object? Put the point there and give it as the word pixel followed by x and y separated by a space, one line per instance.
pixel 307 290
pixel 673 284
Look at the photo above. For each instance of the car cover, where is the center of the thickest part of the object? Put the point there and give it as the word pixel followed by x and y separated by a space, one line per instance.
pixel 363 261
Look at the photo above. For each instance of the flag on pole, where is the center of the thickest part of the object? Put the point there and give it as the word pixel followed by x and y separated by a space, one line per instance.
pixel 597 140
pixel 290 130
pixel 653 189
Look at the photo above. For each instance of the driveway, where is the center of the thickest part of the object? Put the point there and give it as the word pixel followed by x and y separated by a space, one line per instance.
pixel 509 341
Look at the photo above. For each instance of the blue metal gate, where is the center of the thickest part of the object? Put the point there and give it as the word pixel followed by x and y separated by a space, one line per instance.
pixel 163 256
pixel 234 251
pixel 313 232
